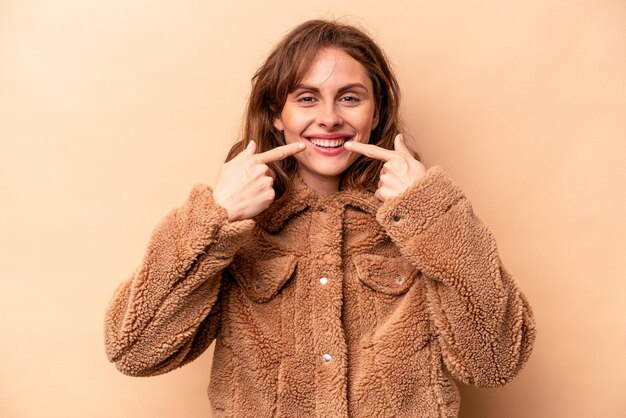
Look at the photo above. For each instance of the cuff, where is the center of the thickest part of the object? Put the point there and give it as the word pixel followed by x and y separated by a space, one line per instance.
pixel 415 209
pixel 228 237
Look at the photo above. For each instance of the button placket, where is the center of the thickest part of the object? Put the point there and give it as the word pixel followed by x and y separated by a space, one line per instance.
pixel 328 334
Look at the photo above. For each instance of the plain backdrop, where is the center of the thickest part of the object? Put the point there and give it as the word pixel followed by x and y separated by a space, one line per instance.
pixel 111 111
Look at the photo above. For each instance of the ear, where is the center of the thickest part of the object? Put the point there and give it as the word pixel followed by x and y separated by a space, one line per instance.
pixel 278 124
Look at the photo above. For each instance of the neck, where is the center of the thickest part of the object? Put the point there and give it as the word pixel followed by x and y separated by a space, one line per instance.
pixel 321 184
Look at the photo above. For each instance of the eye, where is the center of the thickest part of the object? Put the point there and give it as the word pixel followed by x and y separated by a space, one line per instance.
pixel 350 99
pixel 305 99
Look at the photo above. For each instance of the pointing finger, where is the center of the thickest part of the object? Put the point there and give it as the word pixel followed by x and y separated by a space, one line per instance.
pixel 369 150
pixel 279 153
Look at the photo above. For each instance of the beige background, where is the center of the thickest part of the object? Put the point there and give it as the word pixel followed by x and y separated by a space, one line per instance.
pixel 111 111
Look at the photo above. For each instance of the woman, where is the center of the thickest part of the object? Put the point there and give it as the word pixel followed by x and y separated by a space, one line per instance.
pixel 338 276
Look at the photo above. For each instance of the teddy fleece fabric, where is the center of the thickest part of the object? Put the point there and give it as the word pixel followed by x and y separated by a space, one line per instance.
pixel 326 305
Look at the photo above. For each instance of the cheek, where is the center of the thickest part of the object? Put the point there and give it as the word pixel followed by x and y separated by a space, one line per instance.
pixel 365 128
pixel 296 121
pixel 364 119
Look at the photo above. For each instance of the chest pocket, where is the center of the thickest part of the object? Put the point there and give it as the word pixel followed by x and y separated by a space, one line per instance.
pixel 262 279
pixel 390 275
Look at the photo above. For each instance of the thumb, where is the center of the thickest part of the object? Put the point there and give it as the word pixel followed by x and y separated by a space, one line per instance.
pixel 400 145
pixel 251 148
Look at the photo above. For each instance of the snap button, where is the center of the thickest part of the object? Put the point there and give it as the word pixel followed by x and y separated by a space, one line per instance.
pixel 399 279
pixel 327 358
pixel 324 280
pixel 258 284
pixel 396 218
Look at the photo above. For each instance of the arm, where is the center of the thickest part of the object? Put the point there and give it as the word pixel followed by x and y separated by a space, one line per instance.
pixel 168 312
pixel 484 325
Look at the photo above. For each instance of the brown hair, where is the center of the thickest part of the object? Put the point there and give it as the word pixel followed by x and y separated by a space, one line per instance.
pixel 283 70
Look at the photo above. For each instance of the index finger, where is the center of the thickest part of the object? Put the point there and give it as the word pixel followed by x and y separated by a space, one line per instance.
pixel 370 150
pixel 279 153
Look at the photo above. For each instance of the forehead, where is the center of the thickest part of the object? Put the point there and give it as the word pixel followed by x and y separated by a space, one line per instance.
pixel 333 66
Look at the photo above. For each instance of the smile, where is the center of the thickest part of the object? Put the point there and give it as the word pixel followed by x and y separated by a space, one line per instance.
pixel 329 147
pixel 327 143
pixel 336 142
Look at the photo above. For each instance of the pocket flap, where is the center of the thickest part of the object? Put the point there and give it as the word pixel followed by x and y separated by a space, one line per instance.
pixel 262 279
pixel 393 275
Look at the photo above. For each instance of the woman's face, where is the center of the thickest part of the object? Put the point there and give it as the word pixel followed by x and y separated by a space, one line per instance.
pixel 333 103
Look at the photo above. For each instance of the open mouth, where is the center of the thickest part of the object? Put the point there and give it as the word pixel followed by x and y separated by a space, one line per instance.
pixel 329 143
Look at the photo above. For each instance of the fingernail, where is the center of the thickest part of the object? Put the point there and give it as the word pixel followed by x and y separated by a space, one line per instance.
pixel 249 144
pixel 301 145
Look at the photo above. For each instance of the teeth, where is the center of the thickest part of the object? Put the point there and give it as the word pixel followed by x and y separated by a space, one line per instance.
pixel 328 143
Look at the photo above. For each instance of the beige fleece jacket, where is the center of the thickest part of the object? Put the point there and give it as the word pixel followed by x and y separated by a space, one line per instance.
pixel 328 305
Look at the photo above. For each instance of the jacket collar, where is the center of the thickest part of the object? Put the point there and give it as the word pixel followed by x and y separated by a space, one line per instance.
pixel 300 197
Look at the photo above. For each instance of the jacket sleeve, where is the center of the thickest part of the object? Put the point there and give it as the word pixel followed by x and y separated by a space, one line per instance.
pixel 168 312
pixel 483 323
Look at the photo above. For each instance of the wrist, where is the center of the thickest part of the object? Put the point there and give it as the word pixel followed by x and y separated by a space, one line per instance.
pixel 218 201
pixel 232 217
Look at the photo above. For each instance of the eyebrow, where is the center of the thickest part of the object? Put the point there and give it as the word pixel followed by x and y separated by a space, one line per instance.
pixel 341 90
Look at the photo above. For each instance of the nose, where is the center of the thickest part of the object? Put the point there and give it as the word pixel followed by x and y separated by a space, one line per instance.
pixel 329 116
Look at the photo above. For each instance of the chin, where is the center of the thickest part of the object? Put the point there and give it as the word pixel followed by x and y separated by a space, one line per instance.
pixel 329 171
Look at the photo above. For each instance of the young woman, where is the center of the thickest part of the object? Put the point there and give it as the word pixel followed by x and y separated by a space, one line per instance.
pixel 338 276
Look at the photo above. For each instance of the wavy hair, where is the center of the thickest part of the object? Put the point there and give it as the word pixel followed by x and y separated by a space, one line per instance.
pixel 285 67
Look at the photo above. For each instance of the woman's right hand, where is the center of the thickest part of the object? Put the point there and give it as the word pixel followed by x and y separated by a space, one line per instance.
pixel 244 184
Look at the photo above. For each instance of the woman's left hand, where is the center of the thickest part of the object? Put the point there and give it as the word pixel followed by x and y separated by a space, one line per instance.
pixel 400 170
